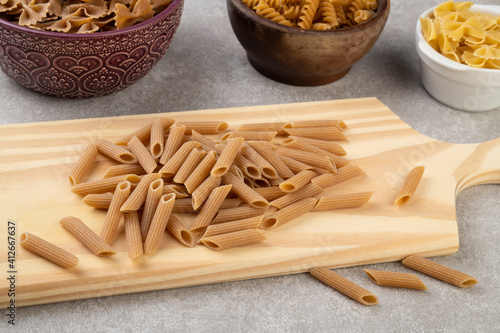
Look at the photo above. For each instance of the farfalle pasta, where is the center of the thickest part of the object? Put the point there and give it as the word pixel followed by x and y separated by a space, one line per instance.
pixel 80 16
pixel 315 14
pixel 464 36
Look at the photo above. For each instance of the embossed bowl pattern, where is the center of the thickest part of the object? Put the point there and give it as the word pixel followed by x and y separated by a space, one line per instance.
pixel 86 65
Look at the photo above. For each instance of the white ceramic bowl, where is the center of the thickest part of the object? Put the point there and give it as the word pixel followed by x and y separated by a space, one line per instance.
pixel 454 84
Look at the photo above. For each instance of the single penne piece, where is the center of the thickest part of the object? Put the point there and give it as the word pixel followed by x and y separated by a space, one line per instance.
pixel 157 139
pixel 439 271
pixel 175 162
pixel 270 193
pixel 48 250
pixel 237 172
pixel 103 185
pixel 266 168
pixel 232 226
pixel 295 165
pixel 174 141
pixel 410 185
pixel 201 194
pixel 301 145
pixel 298 181
pixel 142 154
pixel 184 205
pixel 243 212
pixel 261 183
pixel 331 133
pixel 272 157
pixel 395 279
pixel 98 201
pixel 114 215
pixel 144 133
pixel 205 127
pixel 230 203
pixel 329 146
pixel 83 165
pixel 124 169
pixel 251 135
pixel 308 191
pixel 343 174
pixel 192 161
pixel 211 207
pixel 340 124
pixel 154 193
pixel 348 200
pixel 288 213
pixel 118 153
pixel 206 143
pixel 343 285
pixel 278 127
pixel 86 236
pixel 309 158
pixel 133 234
pixel 233 239
pixel 201 172
pixel 159 223
pixel 245 193
pixel 180 232
pixel 175 189
pixel 227 156
pixel 138 196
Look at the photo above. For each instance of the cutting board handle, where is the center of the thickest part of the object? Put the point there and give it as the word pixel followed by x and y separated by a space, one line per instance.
pixel 481 167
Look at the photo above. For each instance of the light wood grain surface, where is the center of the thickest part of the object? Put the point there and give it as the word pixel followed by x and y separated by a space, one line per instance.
pixel 35 160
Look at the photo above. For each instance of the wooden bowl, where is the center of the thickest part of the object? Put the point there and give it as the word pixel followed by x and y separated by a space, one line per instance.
pixel 303 57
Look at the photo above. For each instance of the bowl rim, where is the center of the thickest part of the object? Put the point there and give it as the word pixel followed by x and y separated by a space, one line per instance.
pixel 166 12
pixel 249 13
pixel 433 55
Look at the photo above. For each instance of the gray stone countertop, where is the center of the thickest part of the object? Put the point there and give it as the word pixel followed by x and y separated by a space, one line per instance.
pixel 206 68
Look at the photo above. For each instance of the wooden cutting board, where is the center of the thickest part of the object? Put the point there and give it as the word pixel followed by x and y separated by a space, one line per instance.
pixel 35 160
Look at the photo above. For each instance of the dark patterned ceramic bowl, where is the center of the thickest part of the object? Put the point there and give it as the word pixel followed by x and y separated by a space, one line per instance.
pixel 86 65
pixel 303 57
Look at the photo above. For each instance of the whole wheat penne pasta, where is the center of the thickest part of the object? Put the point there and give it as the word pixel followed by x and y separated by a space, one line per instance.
pixel 227 156
pixel 175 189
pixel 272 157
pixel 243 212
pixel 175 162
pixel 308 191
pixel 124 169
pixel 98 201
pixel 114 215
pixel 331 133
pixel 184 205
pixel 144 133
pixel 237 172
pixel 211 207
pixel 251 135
pixel 266 168
pixel 157 139
pixel 288 213
pixel 173 142
pixel 261 183
pixel 295 165
pixel 83 165
pixel 180 232
pixel 329 146
pixel 205 127
pixel 410 185
pixel 201 172
pixel 301 145
pixel 206 143
pixel 277 127
pixel 246 166
pixel 133 234
pixel 343 285
pixel 270 193
pixel 233 239
pixel 298 181
pixel 154 193
pixel 138 196
pixel 201 194
pixel 86 236
pixel 439 271
pixel 48 250
pixel 192 161
pixel 343 174
pixel 395 279
pixel 340 124
pixel 232 226
pixel 115 152
pixel 159 223
pixel 142 154
pixel 245 193
pixel 309 158
pixel 102 185
pixel 348 200
pixel 276 182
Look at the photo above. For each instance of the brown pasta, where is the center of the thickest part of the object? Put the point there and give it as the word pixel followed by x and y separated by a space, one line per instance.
pixel 251 135
pixel 173 142
pixel 124 169
pixel 329 146
pixel 340 124
pixel 154 193
pixel 210 207
pixel 205 127
pixel 175 189
pixel 203 191
pixel 301 145
pixel 159 223
pixel 103 185
pixel 266 168
pixel 227 156
pixel 349 200
pixel 201 172
pixel 410 185
pixel 144 133
pixel 319 133
pixel 233 239
pixel 261 183
pixel 243 212
pixel 308 191
pixel 343 285
pixel 180 232
pixel 114 215
pixel 279 127
pixel 48 250
pixel 175 162
pixel 133 234
pixel 138 196
pixel 245 193
pixel 115 152
pixel 98 201
pixel 309 158
pixel 157 139
pixel 288 213
pixel 270 193
pixel 245 165
pixel 267 153
pixel 84 164
pixel 205 142
pixel 192 161
pixel 86 236
pixel 232 226
pixel 142 154
pixel 295 165
pixel 298 181
pixel 395 279
pixel 343 174
pixel 439 271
